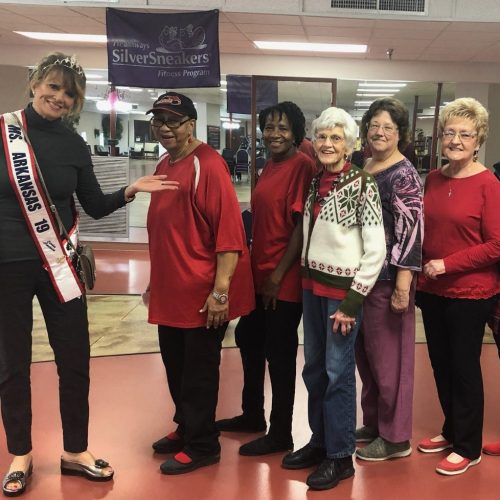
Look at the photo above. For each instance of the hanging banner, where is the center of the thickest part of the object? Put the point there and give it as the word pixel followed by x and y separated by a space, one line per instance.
pixel 163 50
pixel 239 94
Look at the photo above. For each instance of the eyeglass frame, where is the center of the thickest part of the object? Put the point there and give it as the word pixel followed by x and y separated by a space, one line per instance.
pixel 165 122
pixel 371 127
pixel 334 139
pixel 447 134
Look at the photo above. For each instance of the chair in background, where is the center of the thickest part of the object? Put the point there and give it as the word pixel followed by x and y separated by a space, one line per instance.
pixel 228 156
pixel 242 164
pixel 101 150
pixel 260 162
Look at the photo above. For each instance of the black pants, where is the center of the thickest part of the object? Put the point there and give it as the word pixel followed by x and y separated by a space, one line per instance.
pixel 192 357
pixel 67 329
pixel 454 329
pixel 272 335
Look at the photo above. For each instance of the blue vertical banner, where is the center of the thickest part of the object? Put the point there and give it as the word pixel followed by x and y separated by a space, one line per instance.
pixel 163 50
pixel 239 94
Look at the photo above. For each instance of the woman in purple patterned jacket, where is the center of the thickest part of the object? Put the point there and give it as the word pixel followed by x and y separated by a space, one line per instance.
pixel 385 346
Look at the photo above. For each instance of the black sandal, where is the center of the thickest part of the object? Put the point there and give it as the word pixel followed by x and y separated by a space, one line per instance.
pixel 91 472
pixel 17 476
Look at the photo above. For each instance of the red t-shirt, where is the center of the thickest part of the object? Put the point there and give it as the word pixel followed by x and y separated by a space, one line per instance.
pixel 462 226
pixel 277 198
pixel 187 228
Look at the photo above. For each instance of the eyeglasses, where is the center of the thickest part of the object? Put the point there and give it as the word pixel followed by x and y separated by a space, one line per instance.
pixel 334 139
pixel 158 122
pixel 463 136
pixel 387 129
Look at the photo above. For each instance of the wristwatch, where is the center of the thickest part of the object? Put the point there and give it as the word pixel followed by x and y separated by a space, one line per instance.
pixel 221 298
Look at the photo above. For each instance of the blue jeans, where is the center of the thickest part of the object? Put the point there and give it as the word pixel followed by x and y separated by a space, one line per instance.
pixel 329 375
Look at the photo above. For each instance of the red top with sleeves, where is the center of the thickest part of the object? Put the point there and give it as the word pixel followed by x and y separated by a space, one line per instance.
pixel 277 198
pixel 462 226
pixel 187 228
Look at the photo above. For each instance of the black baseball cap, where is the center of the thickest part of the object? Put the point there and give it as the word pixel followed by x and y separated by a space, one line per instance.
pixel 175 103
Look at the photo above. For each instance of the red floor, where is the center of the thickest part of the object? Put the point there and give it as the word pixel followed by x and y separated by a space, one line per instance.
pixel 130 408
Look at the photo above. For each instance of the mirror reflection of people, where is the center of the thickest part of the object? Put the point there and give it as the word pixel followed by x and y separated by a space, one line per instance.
pixel 342 254
pixel 28 267
pixel 459 280
pixel 200 279
pixel 385 346
pixel 270 331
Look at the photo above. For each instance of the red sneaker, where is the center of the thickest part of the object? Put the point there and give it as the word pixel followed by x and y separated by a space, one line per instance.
pixel 492 448
pixel 429 446
pixel 450 469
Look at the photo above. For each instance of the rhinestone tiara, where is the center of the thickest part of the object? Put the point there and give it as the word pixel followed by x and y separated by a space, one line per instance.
pixel 70 63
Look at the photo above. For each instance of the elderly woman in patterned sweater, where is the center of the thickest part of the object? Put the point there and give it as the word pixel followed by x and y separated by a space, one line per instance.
pixel 342 254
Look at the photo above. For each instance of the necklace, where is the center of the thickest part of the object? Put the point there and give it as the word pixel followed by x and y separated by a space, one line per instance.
pixel 337 176
pixel 449 188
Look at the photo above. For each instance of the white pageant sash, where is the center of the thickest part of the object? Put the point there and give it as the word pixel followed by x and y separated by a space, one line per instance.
pixel 35 208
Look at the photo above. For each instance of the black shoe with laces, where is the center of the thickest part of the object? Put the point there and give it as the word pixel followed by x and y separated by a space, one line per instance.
pixel 265 445
pixel 241 423
pixel 303 458
pixel 330 472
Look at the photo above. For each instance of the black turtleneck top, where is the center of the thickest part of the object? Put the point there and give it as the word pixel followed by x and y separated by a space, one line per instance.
pixel 67 169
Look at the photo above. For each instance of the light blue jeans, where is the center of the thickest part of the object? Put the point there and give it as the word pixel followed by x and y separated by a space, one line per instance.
pixel 329 375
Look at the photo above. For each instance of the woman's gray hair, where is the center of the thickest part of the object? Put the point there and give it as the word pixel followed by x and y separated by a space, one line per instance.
pixel 337 117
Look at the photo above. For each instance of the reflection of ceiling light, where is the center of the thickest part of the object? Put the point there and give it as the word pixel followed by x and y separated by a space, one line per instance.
pixel 223 90
pixel 374 95
pixel 223 83
pixel 121 106
pixel 63 37
pixel 375 84
pixel 224 119
pixel 229 125
pixel 362 103
pixel 378 90
pixel 311 47
pixel 90 76
pixel 97 82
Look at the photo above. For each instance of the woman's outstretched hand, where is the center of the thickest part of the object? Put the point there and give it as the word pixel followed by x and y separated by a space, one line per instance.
pixel 150 184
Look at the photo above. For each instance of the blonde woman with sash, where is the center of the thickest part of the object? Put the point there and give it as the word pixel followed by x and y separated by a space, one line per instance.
pixel 33 262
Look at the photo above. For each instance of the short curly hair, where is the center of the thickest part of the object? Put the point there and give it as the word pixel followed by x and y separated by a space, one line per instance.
pixel 469 108
pixel 292 112
pixel 399 115
pixel 73 81
pixel 336 117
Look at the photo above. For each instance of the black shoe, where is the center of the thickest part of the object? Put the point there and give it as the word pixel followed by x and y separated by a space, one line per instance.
pixel 264 446
pixel 175 466
pixel 330 472
pixel 303 458
pixel 169 444
pixel 241 423
pixel 19 477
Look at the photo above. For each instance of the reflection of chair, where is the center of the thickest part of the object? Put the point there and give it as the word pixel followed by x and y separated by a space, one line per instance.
pixel 242 164
pixel 101 150
pixel 228 156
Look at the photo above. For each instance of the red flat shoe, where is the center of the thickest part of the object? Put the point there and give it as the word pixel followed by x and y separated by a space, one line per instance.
pixel 429 446
pixel 492 448
pixel 450 469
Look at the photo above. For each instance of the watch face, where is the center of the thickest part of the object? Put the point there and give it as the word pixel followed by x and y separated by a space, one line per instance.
pixel 220 297
pixel 223 298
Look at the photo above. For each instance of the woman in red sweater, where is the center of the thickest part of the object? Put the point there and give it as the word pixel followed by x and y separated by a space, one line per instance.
pixel 459 280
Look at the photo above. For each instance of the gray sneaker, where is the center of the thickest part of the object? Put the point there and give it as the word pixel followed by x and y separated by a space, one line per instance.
pixel 366 434
pixel 380 449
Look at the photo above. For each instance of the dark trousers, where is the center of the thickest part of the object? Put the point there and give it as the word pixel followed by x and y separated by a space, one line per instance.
pixel 454 329
pixel 192 357
pixel 67 329
pixel 272 335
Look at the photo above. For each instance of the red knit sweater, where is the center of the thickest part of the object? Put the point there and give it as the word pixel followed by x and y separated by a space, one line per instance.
pixel 462 226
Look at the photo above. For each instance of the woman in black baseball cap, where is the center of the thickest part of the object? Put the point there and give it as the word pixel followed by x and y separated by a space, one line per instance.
pixel 200 279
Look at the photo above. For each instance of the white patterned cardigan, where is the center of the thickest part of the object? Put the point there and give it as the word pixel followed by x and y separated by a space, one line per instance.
pixel 345 247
